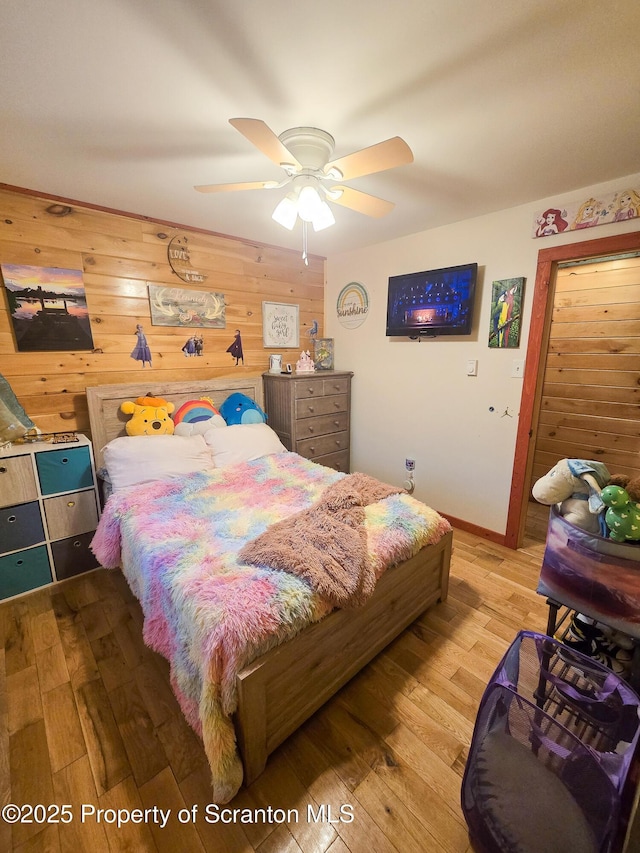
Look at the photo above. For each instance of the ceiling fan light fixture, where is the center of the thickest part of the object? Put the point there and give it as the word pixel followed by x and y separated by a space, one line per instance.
pixel 286 213
pixel 323 218
pixel 309 203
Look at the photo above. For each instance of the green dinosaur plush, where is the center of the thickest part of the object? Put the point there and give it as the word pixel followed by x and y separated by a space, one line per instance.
pixel 623 514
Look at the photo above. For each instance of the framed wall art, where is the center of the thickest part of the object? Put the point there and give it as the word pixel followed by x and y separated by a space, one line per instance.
pixel 280 325
pixel 48 308
pixel 177 306
pixel 506 313
pixel 323 353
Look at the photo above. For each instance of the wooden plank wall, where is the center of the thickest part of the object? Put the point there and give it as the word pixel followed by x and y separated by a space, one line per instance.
pixel 591 397
pixel 119 256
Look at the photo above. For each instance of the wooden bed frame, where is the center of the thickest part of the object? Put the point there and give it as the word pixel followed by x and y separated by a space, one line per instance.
pixel 278 691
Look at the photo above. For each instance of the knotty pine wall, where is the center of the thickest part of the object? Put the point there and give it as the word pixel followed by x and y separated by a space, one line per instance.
pixel 590 402
pixel 119 256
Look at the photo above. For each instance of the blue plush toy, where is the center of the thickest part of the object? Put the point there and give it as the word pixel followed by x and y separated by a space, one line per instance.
pixel 240 409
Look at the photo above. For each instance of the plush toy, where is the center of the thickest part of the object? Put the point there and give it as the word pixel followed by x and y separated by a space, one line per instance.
pixel 195 417
pixel 623 509
pixel 149 416
pixel 575 485
pixel 240 409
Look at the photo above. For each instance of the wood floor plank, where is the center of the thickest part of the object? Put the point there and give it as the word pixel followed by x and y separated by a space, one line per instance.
pixel 25 704
pixel 30 774
pixel 163 792
pixel 130 836
pixel 107 755
pixel 52 667
pixel 62 725
pixel 74 785
pixel 5 769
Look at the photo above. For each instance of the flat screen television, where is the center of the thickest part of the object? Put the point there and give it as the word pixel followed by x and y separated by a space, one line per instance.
pixel 432 303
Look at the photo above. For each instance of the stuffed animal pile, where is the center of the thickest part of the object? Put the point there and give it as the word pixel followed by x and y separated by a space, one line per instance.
pixel 152 415
pixel 588 497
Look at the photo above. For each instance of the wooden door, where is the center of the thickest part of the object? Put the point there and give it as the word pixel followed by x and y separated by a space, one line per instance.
pixel 590 401
pixel 549 260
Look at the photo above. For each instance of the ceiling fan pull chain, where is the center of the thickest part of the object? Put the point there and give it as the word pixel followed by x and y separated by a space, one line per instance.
pixel 305 257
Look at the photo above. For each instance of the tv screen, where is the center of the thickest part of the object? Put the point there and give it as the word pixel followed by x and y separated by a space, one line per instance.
pixel 431 303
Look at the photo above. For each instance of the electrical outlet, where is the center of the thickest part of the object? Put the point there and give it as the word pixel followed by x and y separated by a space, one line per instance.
pixel 410 464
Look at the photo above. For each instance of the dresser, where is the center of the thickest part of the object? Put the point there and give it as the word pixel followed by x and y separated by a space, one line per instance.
pixel 310 412
pixel 49 510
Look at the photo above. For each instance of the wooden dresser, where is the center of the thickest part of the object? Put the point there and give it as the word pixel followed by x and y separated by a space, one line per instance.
pixel 311 413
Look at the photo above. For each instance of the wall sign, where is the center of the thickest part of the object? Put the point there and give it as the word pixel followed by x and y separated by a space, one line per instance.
pixel 588 212
pixel 352 305
pixel 280 324
pixel 176 306
pixel 180 261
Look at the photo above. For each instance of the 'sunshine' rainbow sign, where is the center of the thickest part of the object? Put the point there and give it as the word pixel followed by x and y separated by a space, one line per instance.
pixel 352 305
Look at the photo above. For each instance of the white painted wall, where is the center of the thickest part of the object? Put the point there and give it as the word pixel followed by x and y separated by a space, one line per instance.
pixel 415 399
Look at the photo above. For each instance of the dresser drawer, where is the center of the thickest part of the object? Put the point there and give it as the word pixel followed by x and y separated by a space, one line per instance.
pixel 322 425
pixel 73 556
pixel 305 388
pixel 338 461
pixel 338 385
pixel 17 482
pixel 311 448
pixel 68 515
pixel 64 470
pixel 307 408
pixel 24 570
pixel 20 526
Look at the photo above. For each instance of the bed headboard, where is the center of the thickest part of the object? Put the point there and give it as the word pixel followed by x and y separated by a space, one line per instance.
pixel 107 421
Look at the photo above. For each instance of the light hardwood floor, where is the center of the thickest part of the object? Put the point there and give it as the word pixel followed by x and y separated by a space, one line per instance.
pixel 87 717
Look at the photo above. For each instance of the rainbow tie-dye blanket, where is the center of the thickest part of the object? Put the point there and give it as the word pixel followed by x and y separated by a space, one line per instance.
pixel 177 543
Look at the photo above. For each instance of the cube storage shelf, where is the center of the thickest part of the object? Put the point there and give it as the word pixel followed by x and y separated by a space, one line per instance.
pixel 49 510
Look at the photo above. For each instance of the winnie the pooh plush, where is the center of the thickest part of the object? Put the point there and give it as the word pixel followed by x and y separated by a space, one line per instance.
pixel 149 416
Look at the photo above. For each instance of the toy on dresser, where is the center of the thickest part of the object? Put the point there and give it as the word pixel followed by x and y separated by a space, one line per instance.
pixel 305 363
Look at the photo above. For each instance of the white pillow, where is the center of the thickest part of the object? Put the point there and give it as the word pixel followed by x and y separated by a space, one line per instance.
pixel 242 443
pixel 134 459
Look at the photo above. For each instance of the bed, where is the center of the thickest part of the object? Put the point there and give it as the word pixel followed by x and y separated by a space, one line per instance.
pixel 244 700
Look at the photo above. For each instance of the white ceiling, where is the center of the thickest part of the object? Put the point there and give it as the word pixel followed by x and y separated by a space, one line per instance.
pixel 125 103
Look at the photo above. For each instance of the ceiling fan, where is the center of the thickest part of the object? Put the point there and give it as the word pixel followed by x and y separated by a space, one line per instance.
pixel 315 179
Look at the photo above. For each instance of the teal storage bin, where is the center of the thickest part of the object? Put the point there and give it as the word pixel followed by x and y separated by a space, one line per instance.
pixel 24 570
pixel 64 470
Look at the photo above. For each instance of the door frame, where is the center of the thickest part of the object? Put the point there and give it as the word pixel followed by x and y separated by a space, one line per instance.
pixel 541 311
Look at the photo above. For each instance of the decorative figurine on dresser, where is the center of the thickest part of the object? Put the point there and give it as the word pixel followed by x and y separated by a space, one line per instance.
pixel 49 510
pixel 311 414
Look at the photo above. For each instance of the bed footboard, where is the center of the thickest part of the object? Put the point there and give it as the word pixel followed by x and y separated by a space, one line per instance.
pixel 282 688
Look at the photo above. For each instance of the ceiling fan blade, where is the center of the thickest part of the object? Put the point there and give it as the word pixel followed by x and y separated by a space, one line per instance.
pixel 376 158
pixel 248 185
pixel 370 205
pixel 265 140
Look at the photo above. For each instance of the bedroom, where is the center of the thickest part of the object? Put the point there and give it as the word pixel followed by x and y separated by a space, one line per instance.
pixel 473 445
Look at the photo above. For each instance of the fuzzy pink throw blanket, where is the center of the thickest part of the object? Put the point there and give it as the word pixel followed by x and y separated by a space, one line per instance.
pixel 326 545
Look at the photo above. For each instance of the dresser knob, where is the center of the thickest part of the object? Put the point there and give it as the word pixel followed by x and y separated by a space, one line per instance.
pixel 64 460
pixel 337 442
pixel 11 519
pixel 77 544
pixel 312 449
pixel 310 408
pixel 311 429
pixel 336 423
pixel 3 470
pixel 71 503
